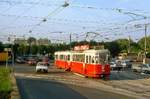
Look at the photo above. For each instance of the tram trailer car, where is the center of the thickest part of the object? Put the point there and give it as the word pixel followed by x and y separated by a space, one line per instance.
pixel 63 59
pixel 90 63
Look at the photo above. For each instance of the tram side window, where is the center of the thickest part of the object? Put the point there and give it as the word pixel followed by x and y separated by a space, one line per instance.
pixel 87 59
pixel 82 58
pixel 68 58
pixel 62 57
pixel 96 60
pixel 56 57
pixel 65 57
pixel 79 58
pixel 74 57
pixel 102 58
pixel 93 60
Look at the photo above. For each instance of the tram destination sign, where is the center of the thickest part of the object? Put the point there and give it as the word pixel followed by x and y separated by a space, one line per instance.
pixel 81 48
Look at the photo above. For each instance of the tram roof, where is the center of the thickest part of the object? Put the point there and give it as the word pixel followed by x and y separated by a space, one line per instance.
pixel 96 51
pixel 86 51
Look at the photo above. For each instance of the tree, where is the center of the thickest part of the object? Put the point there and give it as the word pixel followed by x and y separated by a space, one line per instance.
pixel 124 44
pixel 141 43
pixel 30 41
pixel 93 43
pixel 42 49
pixel 34 49
pixel 113 47
pixel 22 49
pixel 15 49
pixel 51 49
pixel 135 48
pixel 1 47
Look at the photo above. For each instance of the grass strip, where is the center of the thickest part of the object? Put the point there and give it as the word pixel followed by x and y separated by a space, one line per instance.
pixel 5 83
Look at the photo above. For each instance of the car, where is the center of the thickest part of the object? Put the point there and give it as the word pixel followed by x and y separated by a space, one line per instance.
pixel 137 68
pixel 20 60
pixel 143 68
pixel 41 67
pixel 32 62
pixel 46 60
pixel 113 65
pixel 126 64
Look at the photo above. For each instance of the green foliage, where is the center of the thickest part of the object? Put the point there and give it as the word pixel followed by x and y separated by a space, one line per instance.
pixel 31 39
pixel 42 49
pixel 148 55
pixel 5 82
pixel 21 49
pixel 141 43
pixel 135 48
pixel 123 44
pixel 93 43
pixel 34 49
pixel 1 47
pixel 113 47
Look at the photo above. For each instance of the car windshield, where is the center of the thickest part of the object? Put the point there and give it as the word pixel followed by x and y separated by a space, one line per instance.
pixel 112 63
pixel 148 65
pixel 41 64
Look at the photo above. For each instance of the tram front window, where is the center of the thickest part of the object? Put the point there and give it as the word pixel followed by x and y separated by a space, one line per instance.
pixel 97 60
pixel 103 58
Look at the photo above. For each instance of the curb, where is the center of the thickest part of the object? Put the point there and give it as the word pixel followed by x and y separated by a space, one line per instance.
pixel 15 91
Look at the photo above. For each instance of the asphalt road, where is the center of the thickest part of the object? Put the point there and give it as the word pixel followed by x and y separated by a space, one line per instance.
pixel 37 88
pixel 42 89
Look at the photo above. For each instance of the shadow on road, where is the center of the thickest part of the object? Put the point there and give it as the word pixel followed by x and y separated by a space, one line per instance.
pixel 43 89
pixel 40 89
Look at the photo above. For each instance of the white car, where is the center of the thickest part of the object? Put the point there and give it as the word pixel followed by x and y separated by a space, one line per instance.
pixel 113 65
pixel 41 67
pixel 145 68
pixel 126 63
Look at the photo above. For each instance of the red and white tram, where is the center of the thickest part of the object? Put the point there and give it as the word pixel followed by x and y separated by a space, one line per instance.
pixel 90 63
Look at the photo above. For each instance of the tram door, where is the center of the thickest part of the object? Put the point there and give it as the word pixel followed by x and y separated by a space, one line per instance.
pixel 88 62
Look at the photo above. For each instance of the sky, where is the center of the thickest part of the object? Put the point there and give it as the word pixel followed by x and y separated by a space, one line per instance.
pixel 98 20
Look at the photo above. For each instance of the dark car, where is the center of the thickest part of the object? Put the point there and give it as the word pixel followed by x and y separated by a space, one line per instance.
pixel 32 62
pixel 20 60
pixel 45 60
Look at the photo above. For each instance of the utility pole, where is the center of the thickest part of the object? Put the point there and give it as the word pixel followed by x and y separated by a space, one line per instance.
pixel 12 52
pixel 129 46
pixel 145 45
